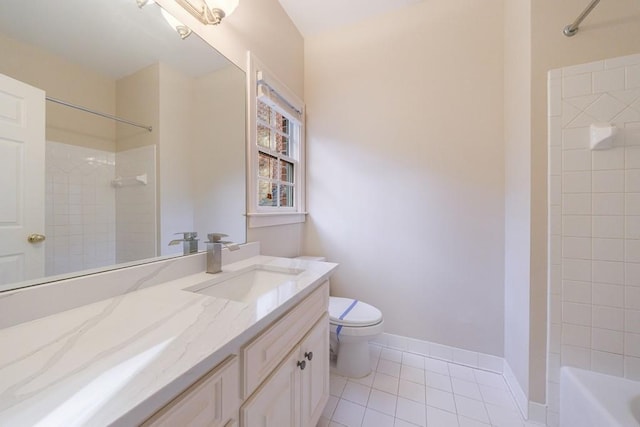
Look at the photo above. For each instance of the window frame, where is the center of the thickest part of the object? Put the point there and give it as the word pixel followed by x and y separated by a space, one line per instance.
pixel 264 216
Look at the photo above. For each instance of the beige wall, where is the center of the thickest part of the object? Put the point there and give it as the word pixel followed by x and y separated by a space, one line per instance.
pixel 406 168
pixel 612 29
pixel 517 136
pixel 64 80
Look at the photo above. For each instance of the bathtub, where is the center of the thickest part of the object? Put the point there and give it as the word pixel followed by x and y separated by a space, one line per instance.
pixel 590 399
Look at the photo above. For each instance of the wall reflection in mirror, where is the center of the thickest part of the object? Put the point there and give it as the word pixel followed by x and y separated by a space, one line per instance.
pixel 116 192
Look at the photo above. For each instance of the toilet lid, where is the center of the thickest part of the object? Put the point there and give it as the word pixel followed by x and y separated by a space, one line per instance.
pixel 350 312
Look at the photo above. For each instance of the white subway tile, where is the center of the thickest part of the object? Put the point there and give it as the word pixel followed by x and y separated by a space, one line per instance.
pixel 576 314
pixel 632 297
pixel 633 76
pixel 607 340
pixel 576 269
pixel 576 225
pixel 607 318
pixel 555 132
pixel 555 161
pixel 607 363
pixel 608 226
pixel 607 294
pixel 555 190
pixel 577 356
pixel 554 97
pixel 555 219
pixel 632 274
pixel 632 344
pixel 632 368
pixel 569 113
pixel 608 272
pixel 632 180
pixel 608 204
pixel 576 204
pixel 576 182
pixel 576 85
pixel 587 68
pixel 576 335
pixel 605 108
pixel 582 120
pixel 576 138
pixel 578 292
pixel 555 250
pixel 555 277
pixel 576 247
pixel 608 249
pixel 608 181
pixel 576 160
pixel 612 158
pixel 609 80
pixel 465 357
pixel 627 115
pixel 582 102
pixel 632 157
pixel 632 321
pixel 440 351
pixel 632 132
pixel 555 339
pixel 490 363
pixel 632 250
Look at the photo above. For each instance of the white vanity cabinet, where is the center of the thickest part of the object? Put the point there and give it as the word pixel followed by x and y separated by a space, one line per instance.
pixel 286 368
pixel 212 401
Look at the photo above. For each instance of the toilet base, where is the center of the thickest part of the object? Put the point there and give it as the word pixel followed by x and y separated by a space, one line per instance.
pixel 353 359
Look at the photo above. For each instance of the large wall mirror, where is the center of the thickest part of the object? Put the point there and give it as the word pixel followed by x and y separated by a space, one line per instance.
pixel 110 193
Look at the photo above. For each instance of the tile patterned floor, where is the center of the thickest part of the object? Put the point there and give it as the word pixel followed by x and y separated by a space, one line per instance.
pixel 408 390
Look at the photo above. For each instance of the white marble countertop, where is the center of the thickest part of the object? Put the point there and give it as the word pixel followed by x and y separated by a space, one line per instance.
pixel 117 361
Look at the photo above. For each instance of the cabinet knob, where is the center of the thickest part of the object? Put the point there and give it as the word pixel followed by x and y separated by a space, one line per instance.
pixel 302 364
pixel 309 355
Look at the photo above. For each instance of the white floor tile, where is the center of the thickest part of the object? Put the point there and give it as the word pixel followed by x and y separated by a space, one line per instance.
pixel 386 383
pixel 412 391
pixel 504 417
pixel 374 351
pixel 336 385
pixel 490 379
pixel 497 396
pixel 440 399
pixel 471 409
pixel 468 422
pixel 389 367
pixel 439 381
pixel 377 419
pixel 334 424
pixel 413 360
pixel 410 373
pixel 348 413
pixel 462 372
pixel 437 366
pixel 438 417
pixel 391 354
pixel 356 393
pixel 465 388
pixel 330 407
pixel 411 411
pixel 382 402
pixel 368 380
pixel 403 423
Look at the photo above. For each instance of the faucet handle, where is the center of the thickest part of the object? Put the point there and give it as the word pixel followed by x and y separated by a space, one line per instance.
pixel 216 237
pixel 188 235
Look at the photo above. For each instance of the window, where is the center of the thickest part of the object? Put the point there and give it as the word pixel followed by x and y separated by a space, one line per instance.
pixel 276 150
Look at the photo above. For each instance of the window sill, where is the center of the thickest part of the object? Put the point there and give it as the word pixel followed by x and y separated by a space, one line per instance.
pixel 263 219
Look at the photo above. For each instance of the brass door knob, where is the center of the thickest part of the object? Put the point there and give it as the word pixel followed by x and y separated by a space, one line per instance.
pixel 36 238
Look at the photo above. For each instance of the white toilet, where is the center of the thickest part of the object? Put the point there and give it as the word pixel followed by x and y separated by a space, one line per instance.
pixel 353 324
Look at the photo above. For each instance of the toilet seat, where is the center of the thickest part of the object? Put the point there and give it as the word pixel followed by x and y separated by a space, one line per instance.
pixel 352 313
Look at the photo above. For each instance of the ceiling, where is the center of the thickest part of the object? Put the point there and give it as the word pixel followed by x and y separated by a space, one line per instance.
pixel 313 17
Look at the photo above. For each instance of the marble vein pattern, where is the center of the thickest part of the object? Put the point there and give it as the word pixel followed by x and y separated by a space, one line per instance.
pixel 117 361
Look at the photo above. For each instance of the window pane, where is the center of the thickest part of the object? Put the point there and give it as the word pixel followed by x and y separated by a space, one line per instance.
pixel 267 193
pixel 264 112
pixel 286 195
pixel 267 166
pixel 286 171
pixel 282 144
pixel 282 123
pixel 263 136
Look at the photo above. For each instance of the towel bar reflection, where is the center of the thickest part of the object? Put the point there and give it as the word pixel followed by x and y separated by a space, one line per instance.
pixel 128 181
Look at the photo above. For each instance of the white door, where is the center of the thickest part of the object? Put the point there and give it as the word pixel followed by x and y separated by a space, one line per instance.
pixel 22 151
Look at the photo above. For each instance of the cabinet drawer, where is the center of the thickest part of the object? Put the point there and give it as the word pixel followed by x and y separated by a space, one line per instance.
pixel 265 352
pixel 211 401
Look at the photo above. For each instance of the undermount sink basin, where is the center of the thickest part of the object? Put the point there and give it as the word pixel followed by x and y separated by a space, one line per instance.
pixel 255 283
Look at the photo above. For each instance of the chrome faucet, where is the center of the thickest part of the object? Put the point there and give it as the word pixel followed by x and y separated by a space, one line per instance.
pixel 189 242
pixel 214 251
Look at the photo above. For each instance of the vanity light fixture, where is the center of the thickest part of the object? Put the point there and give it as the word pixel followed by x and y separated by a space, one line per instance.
pixel 209 12
pixel 182 30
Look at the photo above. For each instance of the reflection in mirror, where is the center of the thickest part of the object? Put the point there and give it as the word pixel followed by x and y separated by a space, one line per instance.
pixel 110 192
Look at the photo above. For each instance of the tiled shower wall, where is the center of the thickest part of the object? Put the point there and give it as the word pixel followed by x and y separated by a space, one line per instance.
pixel 80 216
pixel 594 222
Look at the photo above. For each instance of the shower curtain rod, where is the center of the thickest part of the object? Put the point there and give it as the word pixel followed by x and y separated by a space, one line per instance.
pixel 571 29
pixel 98 113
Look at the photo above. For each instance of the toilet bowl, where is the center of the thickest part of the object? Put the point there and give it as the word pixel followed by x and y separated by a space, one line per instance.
pixel 353 324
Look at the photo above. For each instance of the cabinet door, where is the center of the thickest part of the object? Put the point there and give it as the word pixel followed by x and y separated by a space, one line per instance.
pixel 314 349
pixel 277 402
